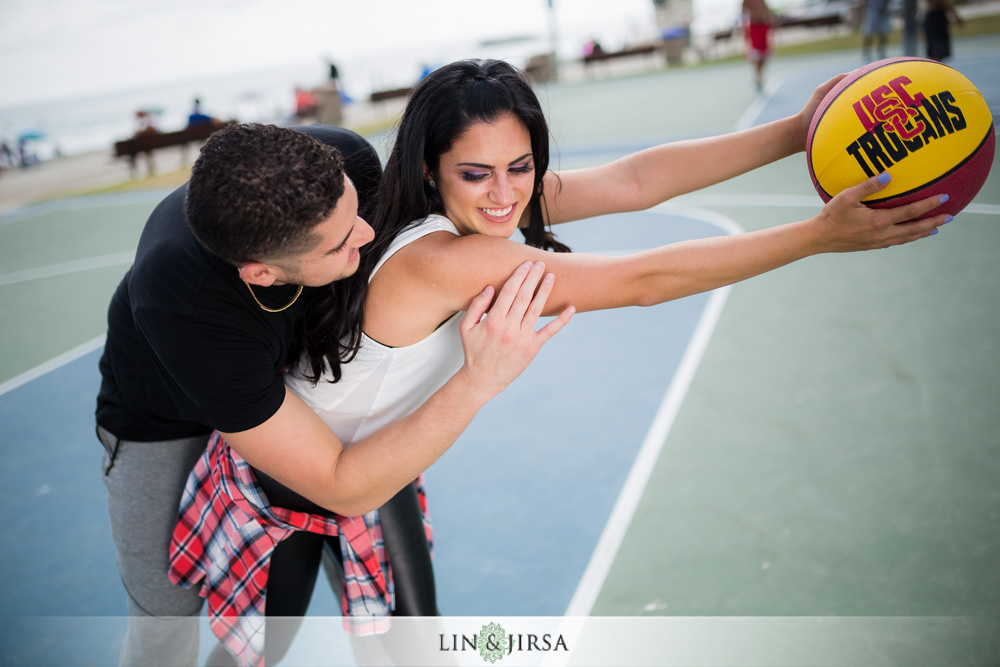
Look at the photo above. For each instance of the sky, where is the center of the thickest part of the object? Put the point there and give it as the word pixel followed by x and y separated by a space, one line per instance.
pixel 54 49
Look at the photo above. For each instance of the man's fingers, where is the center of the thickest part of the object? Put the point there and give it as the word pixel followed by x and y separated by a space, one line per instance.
pixel 553 327
pixel 510 289
pixel 477 308
pixel 526 293
pixel 538 302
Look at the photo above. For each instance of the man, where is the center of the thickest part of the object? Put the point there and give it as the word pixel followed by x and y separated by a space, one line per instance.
pixel 202 326
pixel 758 19
pixel 196 117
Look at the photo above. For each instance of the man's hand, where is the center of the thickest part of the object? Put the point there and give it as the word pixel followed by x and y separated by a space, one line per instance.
pixel 501 344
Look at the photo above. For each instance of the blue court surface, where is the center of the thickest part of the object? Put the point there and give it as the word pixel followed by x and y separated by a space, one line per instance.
pixel 518 503
pixel 559 498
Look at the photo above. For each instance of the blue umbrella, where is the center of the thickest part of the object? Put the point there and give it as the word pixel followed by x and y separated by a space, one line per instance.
pixel 32 134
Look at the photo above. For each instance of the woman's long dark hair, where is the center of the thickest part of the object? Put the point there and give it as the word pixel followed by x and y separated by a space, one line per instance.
pixel 329 333
pixel 440 108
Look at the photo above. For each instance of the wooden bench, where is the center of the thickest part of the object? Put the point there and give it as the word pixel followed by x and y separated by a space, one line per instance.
pixel 148 142
pixel 392 93
pixel 601 56
pixel 815 21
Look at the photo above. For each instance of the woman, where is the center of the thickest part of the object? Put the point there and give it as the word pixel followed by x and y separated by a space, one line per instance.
pixel 468 168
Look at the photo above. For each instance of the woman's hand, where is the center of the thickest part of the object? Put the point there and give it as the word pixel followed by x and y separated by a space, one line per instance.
pixel 501 344
pixel 845 224
pixel 805 116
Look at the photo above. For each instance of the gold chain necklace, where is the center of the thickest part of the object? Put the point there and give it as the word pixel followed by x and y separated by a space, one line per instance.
pixel 274 310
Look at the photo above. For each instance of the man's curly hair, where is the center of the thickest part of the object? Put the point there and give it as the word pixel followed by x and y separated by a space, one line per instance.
pixel 258 191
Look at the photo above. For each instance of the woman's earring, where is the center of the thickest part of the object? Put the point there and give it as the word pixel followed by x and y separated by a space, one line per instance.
pixel 430 182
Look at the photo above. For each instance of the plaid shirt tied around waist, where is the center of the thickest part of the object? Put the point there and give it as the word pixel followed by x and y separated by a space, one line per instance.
pixel 226 532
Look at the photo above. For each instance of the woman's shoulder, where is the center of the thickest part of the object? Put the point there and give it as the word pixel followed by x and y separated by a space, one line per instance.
pixel 432 223
pixel 417 230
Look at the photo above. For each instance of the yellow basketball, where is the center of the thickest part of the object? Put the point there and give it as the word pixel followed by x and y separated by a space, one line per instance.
pixel 922 121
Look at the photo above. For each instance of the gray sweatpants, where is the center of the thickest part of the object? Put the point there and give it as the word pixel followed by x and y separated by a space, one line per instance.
pixel 145 481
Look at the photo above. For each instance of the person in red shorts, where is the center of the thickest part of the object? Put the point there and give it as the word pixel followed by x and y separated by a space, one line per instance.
pixel 758 19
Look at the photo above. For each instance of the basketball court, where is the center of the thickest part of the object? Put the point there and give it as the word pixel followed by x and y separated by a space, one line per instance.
pixel 821 441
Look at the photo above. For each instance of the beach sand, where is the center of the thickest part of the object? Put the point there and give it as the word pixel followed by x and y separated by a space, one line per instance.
pixel 73 174
pixel 84 173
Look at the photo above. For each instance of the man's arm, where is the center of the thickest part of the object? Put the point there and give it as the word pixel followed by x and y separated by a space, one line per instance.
pixel 296 448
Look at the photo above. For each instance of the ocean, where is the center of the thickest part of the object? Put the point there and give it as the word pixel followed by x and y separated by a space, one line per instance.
pixel 92 123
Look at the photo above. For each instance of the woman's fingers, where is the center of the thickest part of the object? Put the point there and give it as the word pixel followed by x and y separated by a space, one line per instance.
pixel 896 214
pixel 884 227
pixel 917 209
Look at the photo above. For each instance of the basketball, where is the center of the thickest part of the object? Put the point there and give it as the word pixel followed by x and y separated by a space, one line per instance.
pixel 922 121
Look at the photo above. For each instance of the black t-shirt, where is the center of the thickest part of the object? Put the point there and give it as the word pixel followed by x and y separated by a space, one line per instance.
pixel 188 348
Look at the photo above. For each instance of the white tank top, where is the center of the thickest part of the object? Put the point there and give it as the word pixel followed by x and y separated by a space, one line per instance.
pixel 382 384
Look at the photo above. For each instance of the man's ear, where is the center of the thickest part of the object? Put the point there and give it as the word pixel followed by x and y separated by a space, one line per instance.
pixel 257 273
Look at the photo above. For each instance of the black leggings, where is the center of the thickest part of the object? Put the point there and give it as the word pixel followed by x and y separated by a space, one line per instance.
pixel 295 565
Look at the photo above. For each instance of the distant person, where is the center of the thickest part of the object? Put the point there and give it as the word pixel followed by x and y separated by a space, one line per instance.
pixel 7 158
pixel 592 49
pixel 937 32
pixel 305 103
pixel 25 157
pixel 327 99
pixel 758 19
pixel 145 123
pixel 875 29
pixel 196 117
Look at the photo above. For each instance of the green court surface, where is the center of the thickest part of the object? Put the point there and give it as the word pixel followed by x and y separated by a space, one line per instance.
pixel 838 452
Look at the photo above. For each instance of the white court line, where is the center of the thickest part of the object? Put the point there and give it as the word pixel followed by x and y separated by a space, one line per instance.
pixel 52 364
pixel 985 209
pixel 100 262
pixel 625 506
pixel 88 201
pixel 756 107
pixel 784 201
pixel 750 200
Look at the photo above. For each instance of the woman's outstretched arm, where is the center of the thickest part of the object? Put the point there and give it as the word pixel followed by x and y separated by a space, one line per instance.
pixel 439 272
pixel 654 175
